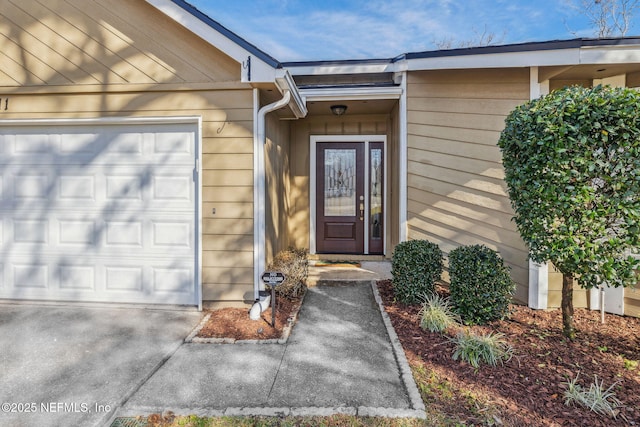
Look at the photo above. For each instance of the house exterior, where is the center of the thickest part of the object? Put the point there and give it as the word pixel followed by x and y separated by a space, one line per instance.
pixel 152 156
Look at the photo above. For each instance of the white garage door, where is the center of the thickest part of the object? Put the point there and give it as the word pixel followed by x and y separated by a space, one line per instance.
pixel 98 212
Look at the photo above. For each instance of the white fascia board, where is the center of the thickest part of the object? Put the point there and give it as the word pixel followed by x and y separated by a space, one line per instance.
pixel 331 69
pixel 285 82
pixel 497 60
pixel 260 70
pixel 351 94
pixel 610 55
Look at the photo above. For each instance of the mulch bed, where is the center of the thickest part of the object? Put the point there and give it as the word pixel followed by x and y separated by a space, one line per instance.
pixel 528 389
pixel 234 323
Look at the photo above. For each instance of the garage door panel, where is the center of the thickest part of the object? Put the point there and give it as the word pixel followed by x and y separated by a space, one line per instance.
pixel 77 276
pixel 76 187
pixel 102 281
pixel 30 231
pixel 77 232
pixel 27 275
pixel 98 213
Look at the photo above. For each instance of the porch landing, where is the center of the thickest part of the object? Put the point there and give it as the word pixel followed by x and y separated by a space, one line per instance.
pixel 326 273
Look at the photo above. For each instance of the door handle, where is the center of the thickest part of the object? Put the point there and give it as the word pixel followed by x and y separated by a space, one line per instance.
pixel 361 211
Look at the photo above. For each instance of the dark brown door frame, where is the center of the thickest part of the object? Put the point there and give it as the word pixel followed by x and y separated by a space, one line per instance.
pixel 374 224
pixel 340 233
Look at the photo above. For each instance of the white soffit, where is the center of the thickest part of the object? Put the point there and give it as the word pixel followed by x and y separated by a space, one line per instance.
pixel 260 70
pixel 497 60
pixel 610 55
pixel 351 94
pixel 320 69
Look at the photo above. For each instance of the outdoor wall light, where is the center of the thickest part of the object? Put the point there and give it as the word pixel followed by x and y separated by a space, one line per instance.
pixel 338 110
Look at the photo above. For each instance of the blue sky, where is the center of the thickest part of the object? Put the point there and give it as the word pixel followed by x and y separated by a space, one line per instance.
pixel 300 30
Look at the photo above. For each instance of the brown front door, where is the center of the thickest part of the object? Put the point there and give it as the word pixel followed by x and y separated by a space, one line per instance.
pixel 340 198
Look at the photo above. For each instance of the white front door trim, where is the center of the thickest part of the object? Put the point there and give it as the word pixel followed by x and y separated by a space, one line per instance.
pixel 365 139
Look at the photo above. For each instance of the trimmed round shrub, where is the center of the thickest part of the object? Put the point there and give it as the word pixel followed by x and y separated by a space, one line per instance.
pixel 481 287
pixel 416 265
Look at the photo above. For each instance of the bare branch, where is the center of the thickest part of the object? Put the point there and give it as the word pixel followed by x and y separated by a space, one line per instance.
pixel 609 18
pixel 486 38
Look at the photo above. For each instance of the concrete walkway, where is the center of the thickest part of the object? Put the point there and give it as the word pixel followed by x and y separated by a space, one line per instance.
pixel 340 358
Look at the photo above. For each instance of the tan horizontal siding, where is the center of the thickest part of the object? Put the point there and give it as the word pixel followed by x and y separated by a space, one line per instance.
pixel 489 169
pixel 227 163
pixel 458 120
pixel 237 145
pixel 56 42
pixel 228 292
pixel 228 242
pixel 445 146
pixel 227 210
pixel 454 192
pixel 218 106
pixel 457 194
pixel 632 301
pixel 67 59
pixel 459 134
pixel 490 107
pixel 233 194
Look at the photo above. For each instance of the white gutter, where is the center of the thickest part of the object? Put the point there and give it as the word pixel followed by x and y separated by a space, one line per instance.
pixel 284 83
pixel 259 179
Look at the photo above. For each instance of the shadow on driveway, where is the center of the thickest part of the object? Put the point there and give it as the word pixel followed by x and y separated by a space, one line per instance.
pixel 72 365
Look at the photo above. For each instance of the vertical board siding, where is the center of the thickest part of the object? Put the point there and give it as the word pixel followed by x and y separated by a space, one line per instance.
pixel 277 186
pixel 456 190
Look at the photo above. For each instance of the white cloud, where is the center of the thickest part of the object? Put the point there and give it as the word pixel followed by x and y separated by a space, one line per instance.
pixel 297 30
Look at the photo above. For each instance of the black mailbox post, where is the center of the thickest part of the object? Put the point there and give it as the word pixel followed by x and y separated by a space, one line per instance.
pixel 273 279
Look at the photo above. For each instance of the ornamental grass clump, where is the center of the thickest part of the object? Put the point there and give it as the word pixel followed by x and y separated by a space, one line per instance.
pixel 437 314
pixel 294 263
pixel 488 348
pixel 416 266
pixel 596 398
pixel 481 286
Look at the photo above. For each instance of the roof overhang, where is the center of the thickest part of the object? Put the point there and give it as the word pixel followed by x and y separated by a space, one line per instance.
pixel 257 66
pixel 537 54
pixel 541 58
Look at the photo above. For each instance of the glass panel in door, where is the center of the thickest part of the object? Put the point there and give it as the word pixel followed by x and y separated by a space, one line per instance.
pixel 376 198
pixel 340 198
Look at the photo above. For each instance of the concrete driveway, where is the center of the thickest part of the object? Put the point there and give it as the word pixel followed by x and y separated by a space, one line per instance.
pixel 73 365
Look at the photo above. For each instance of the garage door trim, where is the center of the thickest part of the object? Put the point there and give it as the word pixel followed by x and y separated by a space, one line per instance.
pixel 195 121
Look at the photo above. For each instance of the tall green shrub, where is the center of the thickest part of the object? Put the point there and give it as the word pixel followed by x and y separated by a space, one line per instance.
pixel 572 166
pixel 416 266
pixel 481 287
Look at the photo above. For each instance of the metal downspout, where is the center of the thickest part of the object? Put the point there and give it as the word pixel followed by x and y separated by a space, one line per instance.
pixel 259 250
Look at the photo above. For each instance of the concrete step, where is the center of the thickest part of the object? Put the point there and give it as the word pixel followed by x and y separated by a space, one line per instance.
pixel 345 273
